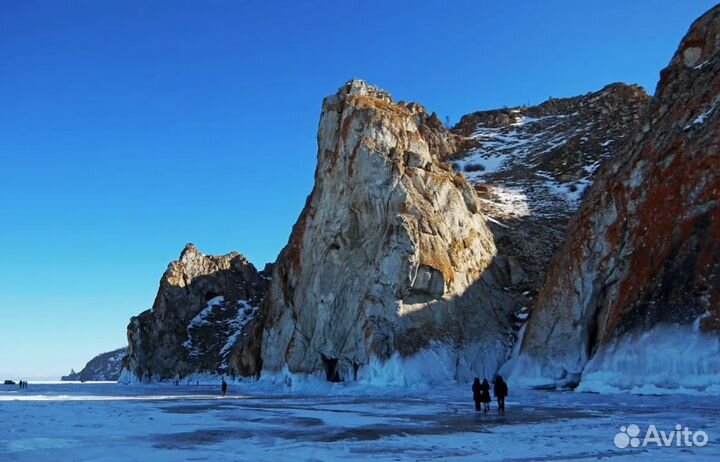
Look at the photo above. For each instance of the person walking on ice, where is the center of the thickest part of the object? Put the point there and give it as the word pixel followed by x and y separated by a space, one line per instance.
pixel 477 393
pixel 485 395
pixel 500 391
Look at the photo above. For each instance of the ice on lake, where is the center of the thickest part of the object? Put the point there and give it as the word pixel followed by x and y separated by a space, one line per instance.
pixel 111 422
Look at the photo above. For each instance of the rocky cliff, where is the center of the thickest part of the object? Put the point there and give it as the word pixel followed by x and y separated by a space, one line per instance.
pixel 390 254
pixel 643 250
pixel 103 367
pixel 532 164
pixel 204 309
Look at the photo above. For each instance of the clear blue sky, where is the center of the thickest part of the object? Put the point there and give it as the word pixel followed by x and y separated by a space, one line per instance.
pixel 128 128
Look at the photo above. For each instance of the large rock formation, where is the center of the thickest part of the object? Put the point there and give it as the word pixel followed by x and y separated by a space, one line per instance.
pixel 532 164
pixel 204 306
pixel 644 249
pixel 103 367
pixel 390 253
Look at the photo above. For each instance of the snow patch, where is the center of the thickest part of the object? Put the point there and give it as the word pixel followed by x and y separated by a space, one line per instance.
pixel 509 201
pixel 572 193
pixel 700 119
pixel 492 220
pixel 201 318
pixel 490 163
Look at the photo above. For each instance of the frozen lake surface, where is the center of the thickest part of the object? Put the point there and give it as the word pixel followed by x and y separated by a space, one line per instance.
pixel 110 422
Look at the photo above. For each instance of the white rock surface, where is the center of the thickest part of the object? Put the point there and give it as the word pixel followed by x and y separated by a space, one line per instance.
pixel 390 252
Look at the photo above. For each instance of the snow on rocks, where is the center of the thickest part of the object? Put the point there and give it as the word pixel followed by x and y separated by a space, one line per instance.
pixel 523 146
pixel 216 329
pixel 532 165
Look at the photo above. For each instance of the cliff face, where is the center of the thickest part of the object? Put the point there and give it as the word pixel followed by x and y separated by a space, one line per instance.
pixel 390 252
pixel 103 367
pixel 203 307
pixel 643 249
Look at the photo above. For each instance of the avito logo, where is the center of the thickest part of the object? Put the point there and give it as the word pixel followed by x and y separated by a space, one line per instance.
pixel 680 437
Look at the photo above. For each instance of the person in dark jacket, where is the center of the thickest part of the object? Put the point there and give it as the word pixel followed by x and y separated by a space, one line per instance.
pixel 477 393
pixel 485 395
pixel 500 391
pixel 224 386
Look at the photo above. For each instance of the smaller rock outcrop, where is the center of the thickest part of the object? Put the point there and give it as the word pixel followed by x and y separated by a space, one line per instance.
pixel 103 367
pixel 204 305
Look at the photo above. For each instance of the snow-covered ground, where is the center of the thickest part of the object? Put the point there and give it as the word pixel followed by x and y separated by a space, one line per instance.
pixel 323 422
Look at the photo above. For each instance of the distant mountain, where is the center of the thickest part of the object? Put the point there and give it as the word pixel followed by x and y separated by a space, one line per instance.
pixel 103 367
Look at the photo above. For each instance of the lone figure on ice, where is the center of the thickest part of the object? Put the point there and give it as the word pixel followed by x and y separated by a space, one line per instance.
pixel 477 393
pixel 501 391
pixel 485 395
pixel 224 386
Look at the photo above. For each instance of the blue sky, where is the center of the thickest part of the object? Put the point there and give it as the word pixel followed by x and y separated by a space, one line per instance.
pixel 128 128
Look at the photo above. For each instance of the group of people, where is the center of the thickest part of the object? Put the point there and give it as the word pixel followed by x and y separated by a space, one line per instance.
pixel 23 384
pixel 481 394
